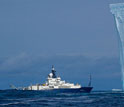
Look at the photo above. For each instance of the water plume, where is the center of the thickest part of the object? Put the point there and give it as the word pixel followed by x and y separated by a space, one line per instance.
pixel 117 10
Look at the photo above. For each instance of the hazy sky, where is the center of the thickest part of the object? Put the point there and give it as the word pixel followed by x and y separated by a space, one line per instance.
pixel 77 36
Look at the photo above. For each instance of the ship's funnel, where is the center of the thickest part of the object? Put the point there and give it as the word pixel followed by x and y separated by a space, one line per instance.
pixel 118 12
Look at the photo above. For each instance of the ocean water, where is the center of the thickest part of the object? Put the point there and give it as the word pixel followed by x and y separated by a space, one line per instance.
pixel 13 98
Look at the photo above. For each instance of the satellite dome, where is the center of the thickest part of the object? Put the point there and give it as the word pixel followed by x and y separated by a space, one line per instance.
pixel 50 75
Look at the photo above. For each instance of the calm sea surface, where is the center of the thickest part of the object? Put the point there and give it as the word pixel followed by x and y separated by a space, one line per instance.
pixel 13 98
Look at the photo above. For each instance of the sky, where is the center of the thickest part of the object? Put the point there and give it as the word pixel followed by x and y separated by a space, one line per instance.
pixel 78 37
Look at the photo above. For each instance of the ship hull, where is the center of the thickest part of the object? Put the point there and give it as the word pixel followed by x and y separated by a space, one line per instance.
pixel 65 90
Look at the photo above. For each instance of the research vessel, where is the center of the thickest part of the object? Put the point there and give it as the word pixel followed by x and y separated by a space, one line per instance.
pixel 54 83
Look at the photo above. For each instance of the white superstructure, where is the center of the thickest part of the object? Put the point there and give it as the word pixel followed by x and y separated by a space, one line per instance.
pixel 53 82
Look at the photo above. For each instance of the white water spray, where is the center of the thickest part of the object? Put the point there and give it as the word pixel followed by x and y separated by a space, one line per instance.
pixel 118 12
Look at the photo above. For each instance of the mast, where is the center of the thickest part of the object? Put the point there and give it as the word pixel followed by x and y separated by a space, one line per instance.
pixel 89 81
pixel 53 72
